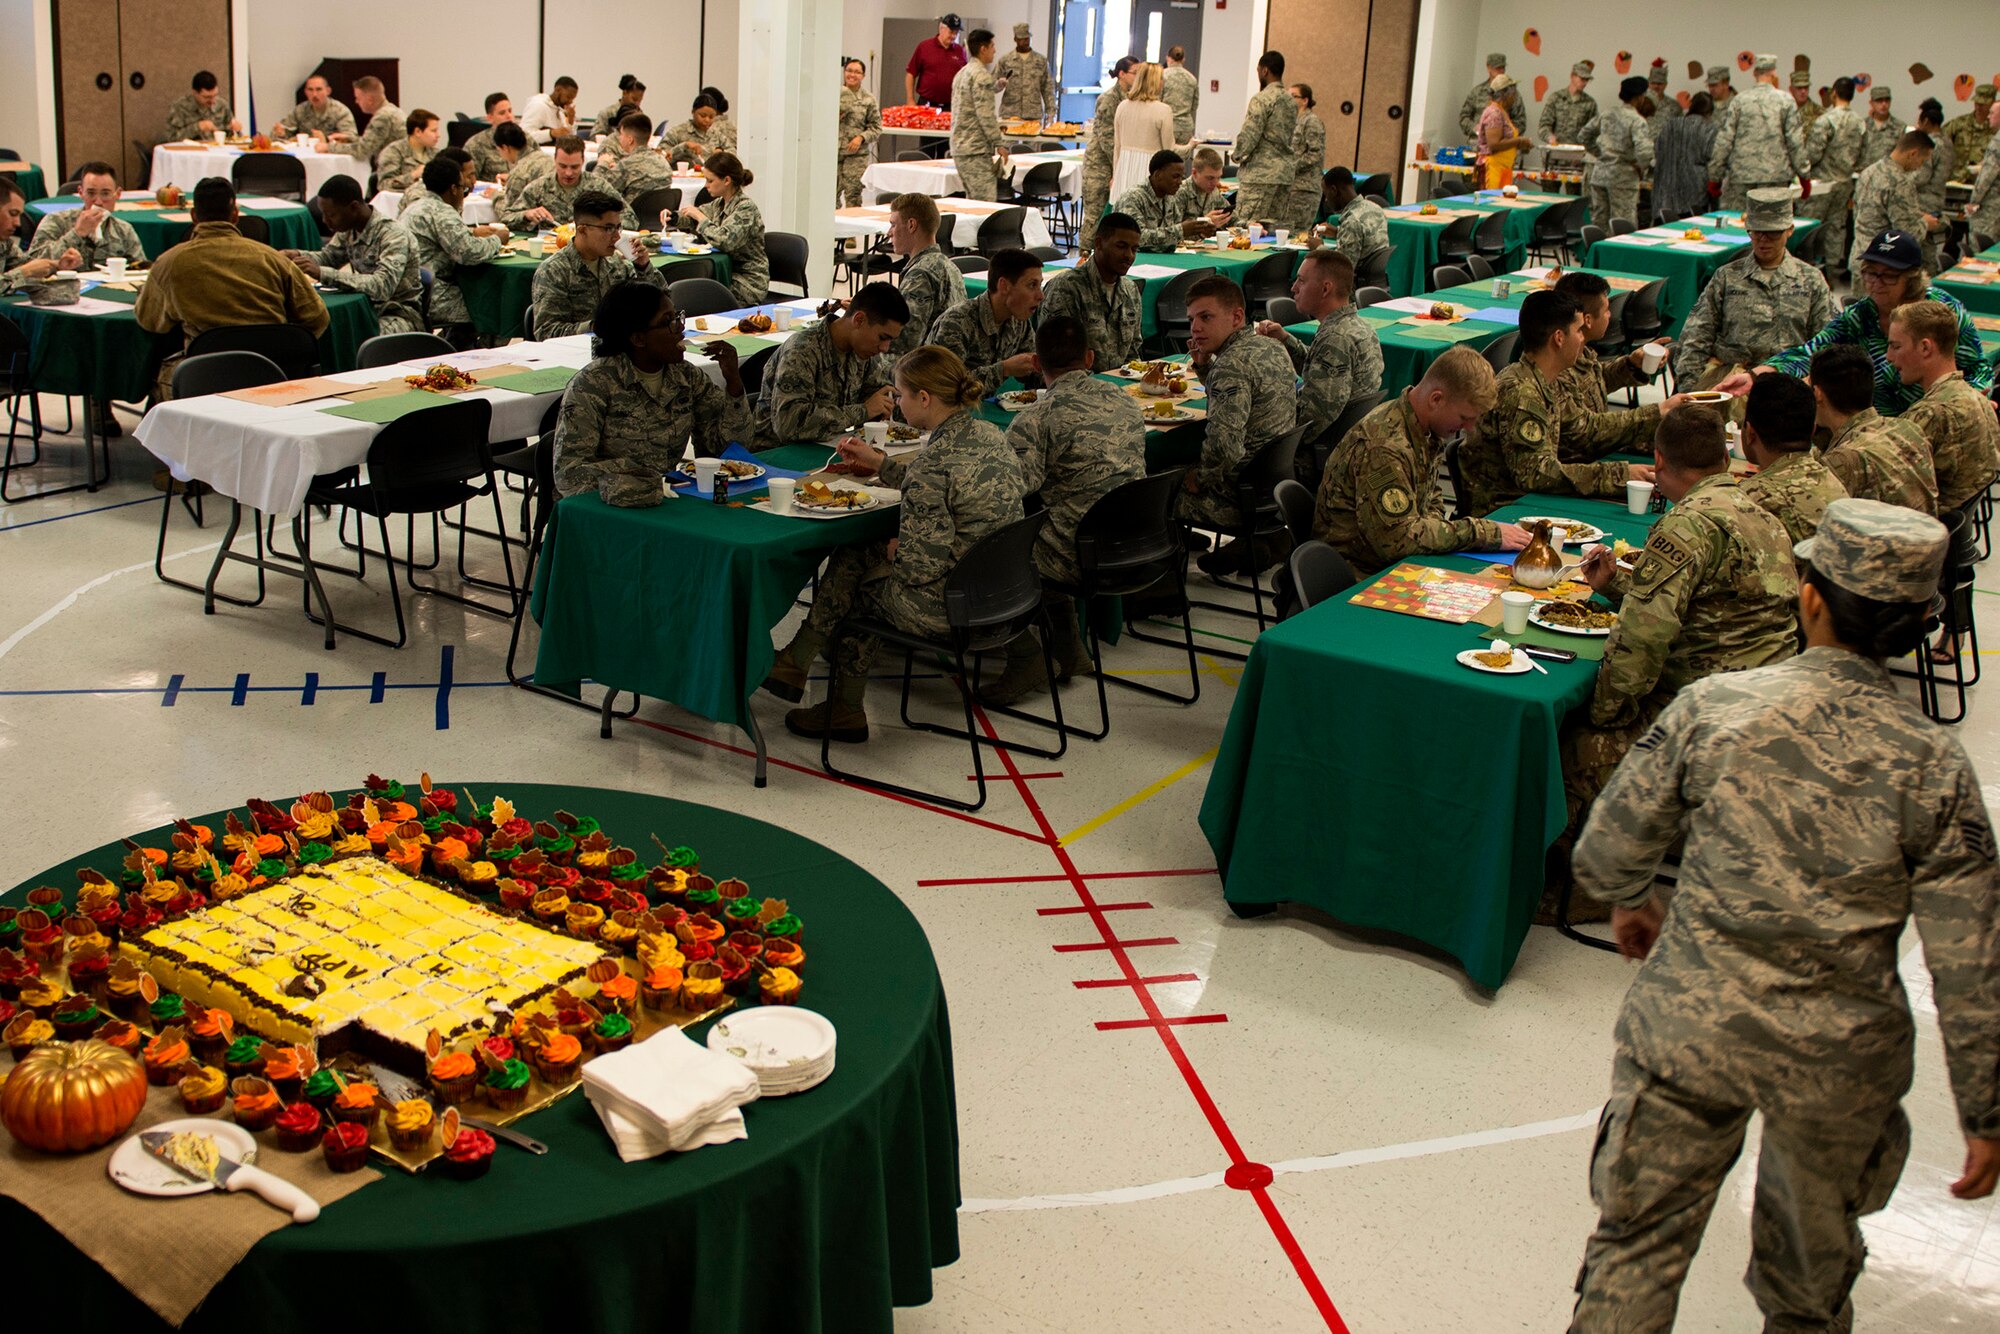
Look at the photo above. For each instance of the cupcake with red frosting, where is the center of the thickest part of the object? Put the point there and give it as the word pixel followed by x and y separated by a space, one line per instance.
pixel 469 1155
pixel 300 1126
pixel 345 1146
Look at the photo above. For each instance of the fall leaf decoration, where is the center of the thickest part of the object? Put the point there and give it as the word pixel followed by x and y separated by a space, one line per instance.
pixel 1864 80
pixel 1622 62
pixel 772 910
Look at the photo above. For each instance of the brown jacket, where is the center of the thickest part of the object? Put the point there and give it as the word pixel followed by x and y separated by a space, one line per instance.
pixel 219 278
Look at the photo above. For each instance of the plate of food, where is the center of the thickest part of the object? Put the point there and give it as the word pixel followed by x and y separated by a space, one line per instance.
pixel 1576 530
pixel 1503 659
pixel 1163 413
pixel 1016 399
pixel 1572 618
pixel 1441 312
pixel 1707 396
pixel 734 469
pixel 824 498
pixel 1138 370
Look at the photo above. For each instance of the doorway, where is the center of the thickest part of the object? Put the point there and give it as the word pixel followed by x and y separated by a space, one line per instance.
pixel 120 64
pixel 1092 35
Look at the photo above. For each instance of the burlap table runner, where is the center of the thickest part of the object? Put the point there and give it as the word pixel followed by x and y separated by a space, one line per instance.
pixel 167 1252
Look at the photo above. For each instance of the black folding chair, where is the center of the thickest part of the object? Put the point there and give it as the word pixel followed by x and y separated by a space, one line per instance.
pixel 1448 275
pixel 1170 312
pixel 1373 270
pixel 1256 502
pixel 1365 297
pixel 1318 573
pixel 1477 266
pixel 1269 277
pixel 650 204
pixel 991 596
pixel 1623 226
pixel 388 349
pixel 292 346
pixel 253 227
pixel 1489 237
pixel 1500 352
pixel 1588 237
pixel 788 254
pixel 1456 241
pixel 970 264
pixel 213 373
pixel 1454 471
pixel 1041 189
pixel 1001 231
pixel 279 175
pixel 1283 310
pixel 1953 617
pixel 1309 463
pixel 700 296
pixel 1575 218
pixel 1614 341
pixel 751 370
pixel 1550 238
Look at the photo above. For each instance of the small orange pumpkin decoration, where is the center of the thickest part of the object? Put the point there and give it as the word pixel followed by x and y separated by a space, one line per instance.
pixel 64 1097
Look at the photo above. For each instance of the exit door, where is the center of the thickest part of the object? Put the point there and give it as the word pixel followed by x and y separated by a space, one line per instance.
pixel 1093 35
pixel 1160 25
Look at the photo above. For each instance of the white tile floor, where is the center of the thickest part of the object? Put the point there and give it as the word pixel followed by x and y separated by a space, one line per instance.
pixel 1430 1140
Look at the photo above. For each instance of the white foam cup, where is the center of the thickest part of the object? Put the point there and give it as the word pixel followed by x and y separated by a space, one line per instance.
pixel 1514 608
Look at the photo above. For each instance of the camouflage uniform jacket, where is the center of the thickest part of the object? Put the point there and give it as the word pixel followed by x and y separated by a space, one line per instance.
pixel 1263 149
pixel 1759 141
pixel 336 119
pixel 975 129
pixel 1583 394
pixel 1984 201
pixel 1159 218
pixel 1879 138
pixel 617 437
pixel 115 238
pixel 486 159
pixel 1082 439
pixel 1364 230
pixel 813 391
pixel 714 139
pixel 1665 108
pixel 531 166
pixel 1969 136
pixel 1861 324
pixel 970 330
pixel 386 128
pixel 1884 458
pixel 1379 500
pixel 1514 447
pixel 185 116
pixel 859 115
pixel 1110 315
pixel 1180 90
pixel 1957 421
pixel 1102 140
pixel 963 485
pixel 1475 102
pixel 604 122
pixel 11 257
pixel 1252 401
pixel 633 175
pixel 444 243
pixel 1196 204
pixel 736 228
pixel 567 289
pixel 1564 114
pixel 1835 146
pixel 402 162
pixel 545 191
pixel 1927 182
pixel 1714 590
pixel 1774 981
pixel 1747 313
pixel 1308 153
pixel 1344 363
pixel 380 262
pixel 931 285
pixel 1624 148
pixel 1809 113
pixel 1029 92
pixel 1796 488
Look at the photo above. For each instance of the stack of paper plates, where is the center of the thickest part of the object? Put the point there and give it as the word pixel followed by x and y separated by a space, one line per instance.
pixel 789 1049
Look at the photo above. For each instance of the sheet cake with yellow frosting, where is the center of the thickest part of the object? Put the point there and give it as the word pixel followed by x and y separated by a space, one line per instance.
pixel 356 954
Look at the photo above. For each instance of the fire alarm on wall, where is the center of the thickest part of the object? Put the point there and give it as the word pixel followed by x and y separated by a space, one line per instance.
pixel 1215 85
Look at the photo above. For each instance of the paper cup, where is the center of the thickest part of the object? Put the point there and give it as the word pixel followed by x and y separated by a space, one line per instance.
pixel 115 266
pixel 875 433
pixel 222 136
pixel 1652 358
pixel 1503 287
pixel 1281 235
pixel 704 473
pixel 1256 231
pixel 781 489
pixel 781 318
pixel 1514 609
pixel 1638 496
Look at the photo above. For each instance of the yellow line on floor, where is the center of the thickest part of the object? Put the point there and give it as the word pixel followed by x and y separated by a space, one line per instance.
pixel 1139 798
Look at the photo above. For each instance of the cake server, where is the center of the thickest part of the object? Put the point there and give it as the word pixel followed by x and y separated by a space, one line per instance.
pixel 401 1088
pixel 228 1174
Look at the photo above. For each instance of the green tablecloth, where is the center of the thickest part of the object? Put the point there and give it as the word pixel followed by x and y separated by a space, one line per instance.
pixel 677 602
pixel 29 178
pixel 1416 242
pixel 1686 272
pixel 1981 298
pixel 1367 774
pixel 110 356
pixel 837 1207
pixel 292 227
pixel 1175 447
pixel 498 294
pixel 1229 263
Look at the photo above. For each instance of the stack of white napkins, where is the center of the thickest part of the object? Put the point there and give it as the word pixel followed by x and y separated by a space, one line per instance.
pixel 667 1094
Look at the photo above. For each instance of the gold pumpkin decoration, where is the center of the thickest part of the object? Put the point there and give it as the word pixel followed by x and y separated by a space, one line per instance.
pixel 64 1097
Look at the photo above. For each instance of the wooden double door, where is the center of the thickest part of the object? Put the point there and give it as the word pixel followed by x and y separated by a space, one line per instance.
pixel 1358 57
pixel 120 64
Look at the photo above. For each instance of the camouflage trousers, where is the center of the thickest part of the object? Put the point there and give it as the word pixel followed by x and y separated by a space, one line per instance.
pixel 1832 209
pixel 1736 191
pixel 848 194
pixel 1096 195
pixel 1305 207
pixel 1614 199
pixel 1662 1153
pixel 1591 754
pixel 1216 510
pixel 857 582
pixel 978 176
pixel 1268 204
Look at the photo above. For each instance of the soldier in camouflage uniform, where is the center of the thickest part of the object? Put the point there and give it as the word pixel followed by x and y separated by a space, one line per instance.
pixel 1482 93
pixel 1928 181
pixel 1875 457
pixel 570 283
pixel 1956 419
pixel 731 222
pixel 1588 426
pixel 1202 196
pixel 486 155
pixel 1791 481
pixel 1885 199
pixel 403 159
pixel 319 116
pixel 1665 106
pixel 1802 98
pixel 387 124
pixel 1344 362
pixel 204 106
pixel 1100 153
pixel 1252 402
pixel 1713 591
pixel 1379 501
pixel 638 169
pixel 702 133
pixel 1759 142
pixel 1757 305
pixel 975 130
pixel 993 333
pixel 549 197
pixel 16 269
pixel 827 380
pixel 1568 110
pixel 1180 90
pixel 1364 227
pixel 528 166
pixel 1981 208
pixel 1834 152
pixel 860 127
pixel 1098 293
pixel 1158 204
pixel 931 284
pixel 1027 92
pixel 1883 129
pixel 963 485
pixel 1263 151
pixel 95 232
pixel 1624 154
pixel 620 429
pixel 367 253
pixel 444 242
pixel 1971 132
pixel 1820 812
pixel 1720 91
pixel 1309 160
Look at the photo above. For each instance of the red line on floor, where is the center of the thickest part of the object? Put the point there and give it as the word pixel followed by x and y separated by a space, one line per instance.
pixel 1102 907
pixel 1043 879
pixel 1106 1025
pixel 1301 1264
pixel 1159 981
pixel 1114 946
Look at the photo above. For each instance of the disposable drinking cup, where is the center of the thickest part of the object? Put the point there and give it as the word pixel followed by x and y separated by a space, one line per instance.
pixel 222 136
pixel 1638 496
pixel 1514 608
pixel 875 433
pixel 704 473
pixel 781 489
pixel 1503 287
pixel 1281 235
pixel 781 318
pixel 1652 357
pixel 115 266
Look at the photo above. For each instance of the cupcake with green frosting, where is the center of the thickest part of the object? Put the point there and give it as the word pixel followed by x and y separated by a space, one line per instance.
pixel 243 1056
pixel 787 927
pixel 320 1089
pixel 507 1087
pixel 168 1009
pixel 312 854
pixel 612 1033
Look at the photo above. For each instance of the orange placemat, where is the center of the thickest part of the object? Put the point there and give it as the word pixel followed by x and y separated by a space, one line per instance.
pixel 1437 595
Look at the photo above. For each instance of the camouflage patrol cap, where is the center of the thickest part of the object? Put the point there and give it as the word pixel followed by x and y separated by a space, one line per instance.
pixel 1770 208
pixel 1498 60
pixel 1656 73
pixel 1879 93
pixel 1718 74
pixel 1983 93
pixel 1801 78
pixel 1020 31
pixel 1886 552
pixel 1500 83
pixel 1764 65
pixel 1584 69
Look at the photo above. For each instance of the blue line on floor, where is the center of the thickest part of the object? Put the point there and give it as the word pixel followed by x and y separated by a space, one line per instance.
pixel 311 691
pixel 173 690
pixel 57 518
pixel 241 691
pixel 444 688
pixel 179 690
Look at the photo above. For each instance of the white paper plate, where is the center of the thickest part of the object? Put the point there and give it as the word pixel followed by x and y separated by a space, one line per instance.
pixel 1577 529
pixel 1017 399
pixel 774 1038
pixel 1556 627
pixel 143 1174
pixel 1519 665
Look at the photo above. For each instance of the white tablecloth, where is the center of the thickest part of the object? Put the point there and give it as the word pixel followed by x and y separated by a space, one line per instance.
pixel 958 222
pixel 940 177
pixel 477 209
pixel 188 167
pixel 267 457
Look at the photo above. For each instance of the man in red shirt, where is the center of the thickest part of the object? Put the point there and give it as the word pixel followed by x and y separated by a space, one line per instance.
pixel 927 78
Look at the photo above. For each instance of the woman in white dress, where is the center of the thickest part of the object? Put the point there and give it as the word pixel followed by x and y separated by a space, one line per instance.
pixel 1143 126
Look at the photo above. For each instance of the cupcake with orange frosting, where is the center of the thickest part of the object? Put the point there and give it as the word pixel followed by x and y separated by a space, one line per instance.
pixel 410 1124
pixel 125 1036
pixel 661 989
pixel 358 1103
pixel 783 954
pixel 256 1103
pixel 164 1056
pixel 453 1075
pixel 779 986
pixel 620 994
pixel 203 1090
pixel 706 928
pixel 285 1068
pixel 558 1059
pixel 210 1033
pixel 345 1146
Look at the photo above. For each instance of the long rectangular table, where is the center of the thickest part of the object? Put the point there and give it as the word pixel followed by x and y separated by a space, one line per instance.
pixel 1365 773
pixel 1686 271
pixel 159 227
pixel 959 221
pixel 1416 234
pixel 1153 270
pixel 497 294
pixel 187 164
pixel 1976 283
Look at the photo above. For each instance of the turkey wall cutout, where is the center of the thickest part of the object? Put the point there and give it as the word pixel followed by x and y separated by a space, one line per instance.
pixel 1541 86
pixel 1801 63
pixel 1864 81
pixel 1962 86
pixel 1532 39
pixel 1745 59
pixel 1623 62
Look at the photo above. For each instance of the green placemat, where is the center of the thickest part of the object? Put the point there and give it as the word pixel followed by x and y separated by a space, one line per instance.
pixel 547 380
pixel 380 410
pixel 744 344
pixel 1588 648
pixel 1446 333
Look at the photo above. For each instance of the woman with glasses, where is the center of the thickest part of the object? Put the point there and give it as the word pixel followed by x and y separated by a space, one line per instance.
pixel 627 415
pixel 731 222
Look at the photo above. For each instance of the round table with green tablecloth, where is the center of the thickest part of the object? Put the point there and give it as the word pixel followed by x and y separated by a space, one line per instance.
pixel 1153 270
pixel 1975 282
pixel 111 357
pixel 29 177
pixel 1415 235
pixel 1687 265
pixel 292 227
pixel 499 293
pixel 833 1211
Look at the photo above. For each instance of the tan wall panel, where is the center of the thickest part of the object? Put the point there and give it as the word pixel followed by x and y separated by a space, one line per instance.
pixel 167 41
pixel 1385 121
pixel 1325 44
pixel 90 120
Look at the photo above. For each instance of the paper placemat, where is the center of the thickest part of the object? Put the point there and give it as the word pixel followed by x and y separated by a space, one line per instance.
pixel 745 344
pixel 1697 248
pixel 288 392
pixel 382 409
pixel 167 1252
pixel 548 380
pixel 1432 593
